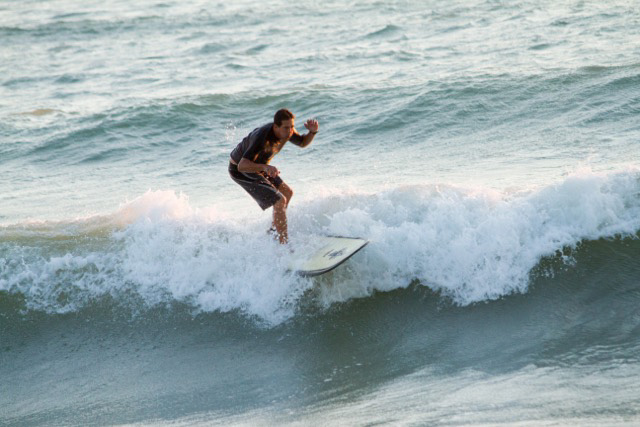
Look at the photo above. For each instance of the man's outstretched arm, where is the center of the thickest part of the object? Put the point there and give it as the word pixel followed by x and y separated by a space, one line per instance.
pixel 312 126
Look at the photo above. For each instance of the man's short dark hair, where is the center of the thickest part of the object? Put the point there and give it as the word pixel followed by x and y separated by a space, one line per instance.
pixel 282 115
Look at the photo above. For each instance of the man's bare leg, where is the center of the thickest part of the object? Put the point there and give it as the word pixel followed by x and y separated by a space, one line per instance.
pixel 280 219
pixel 287 192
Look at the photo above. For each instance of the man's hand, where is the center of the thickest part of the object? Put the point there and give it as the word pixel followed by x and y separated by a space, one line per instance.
pixel 271 171
pixel 312 125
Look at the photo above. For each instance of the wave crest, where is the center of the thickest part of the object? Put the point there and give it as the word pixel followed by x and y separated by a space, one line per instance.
pixel 470 245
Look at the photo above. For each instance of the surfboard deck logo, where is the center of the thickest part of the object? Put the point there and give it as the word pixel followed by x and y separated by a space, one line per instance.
pixel 334 251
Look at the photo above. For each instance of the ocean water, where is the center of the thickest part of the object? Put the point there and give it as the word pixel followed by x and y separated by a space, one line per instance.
pixel 487 149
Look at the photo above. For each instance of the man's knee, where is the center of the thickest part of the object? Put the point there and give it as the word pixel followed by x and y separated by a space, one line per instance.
pixel 286 191
pixel 282 203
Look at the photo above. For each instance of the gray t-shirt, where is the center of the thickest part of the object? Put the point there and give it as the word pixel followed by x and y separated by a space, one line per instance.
pixel 261 145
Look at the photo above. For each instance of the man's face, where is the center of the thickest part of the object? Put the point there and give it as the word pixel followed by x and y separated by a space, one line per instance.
pixel 284 131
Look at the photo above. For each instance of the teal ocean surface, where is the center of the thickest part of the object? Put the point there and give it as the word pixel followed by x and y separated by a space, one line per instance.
pixel 486 149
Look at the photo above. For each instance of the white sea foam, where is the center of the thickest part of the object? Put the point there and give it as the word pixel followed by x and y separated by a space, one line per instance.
pixel 470 244
pixel 214 264
pixel 475 245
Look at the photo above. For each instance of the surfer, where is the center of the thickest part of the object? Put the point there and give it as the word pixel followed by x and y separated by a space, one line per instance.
pixel 249 165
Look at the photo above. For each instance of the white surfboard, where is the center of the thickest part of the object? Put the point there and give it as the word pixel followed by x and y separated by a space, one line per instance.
pixel 332 251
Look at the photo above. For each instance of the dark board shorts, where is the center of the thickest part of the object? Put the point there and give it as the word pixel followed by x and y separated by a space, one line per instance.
pixel 262 188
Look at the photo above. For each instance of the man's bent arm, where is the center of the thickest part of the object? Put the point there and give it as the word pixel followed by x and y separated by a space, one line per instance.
pixel 307 138
pixel 312 127
pixel 248 166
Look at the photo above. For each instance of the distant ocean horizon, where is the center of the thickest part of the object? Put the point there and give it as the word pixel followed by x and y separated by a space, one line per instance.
pixel 486 149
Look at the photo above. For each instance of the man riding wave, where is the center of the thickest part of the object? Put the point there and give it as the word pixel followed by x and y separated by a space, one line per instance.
pixel 249 165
